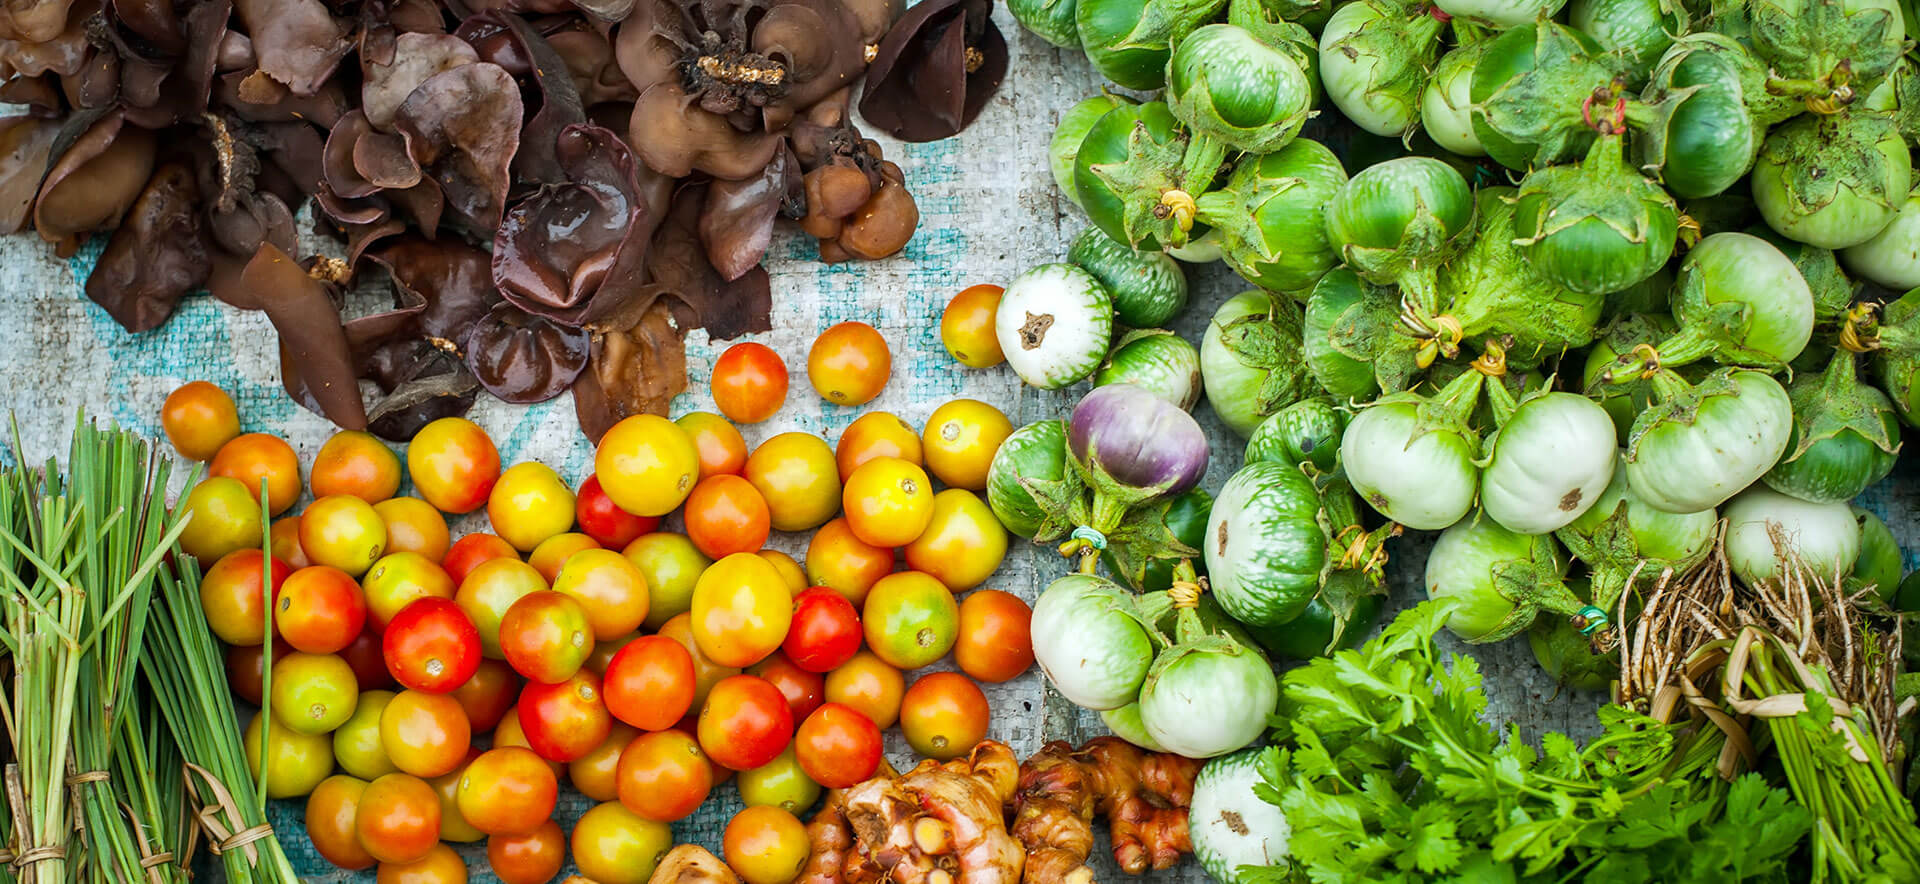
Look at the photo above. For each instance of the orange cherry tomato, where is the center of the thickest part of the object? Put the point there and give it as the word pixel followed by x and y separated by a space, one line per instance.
pixel 284 537
pixel 804 690
pixel 967 330
pixel 875 434
pixel 741 609
pixel 726 515
pixel 489 694
pixel 399 578
pixel 765 845
pixel 995 644
pixel 671 565
pixel 604 521
pixel 508 791
pixel 546 636
pixel 796 474
pixel 647 464
pixel 910 619
pixel 706 673
pixel 320 610
pixel 441 865
pixel 650 683
pixel 398 819
pixel 426 735
pixel 597 773
pixel 842 562
pixel 849 363
pixel 749 382
pixel 888 502
pixel 489 590
pixel 453 464
pixel 221 517
pixel 664 776
pixel 870 687
pixel 355 462
pixel 532 858
pixel 454 827
pixel 253 457
pixel 470 550
pixel 612 590
pixel 964 541
pixel 198 418
pixel 528 504
pixel 343 532
pixel 431 646
pixel 838 746
pixel 414 526
pixel 745 723
pixel 722 451
pixel 790 570
pixel 960 440
pixel 614 845
pixel 331 809
pixel 552 553
pixel 233 599
pixel 567 720
pixel 943 715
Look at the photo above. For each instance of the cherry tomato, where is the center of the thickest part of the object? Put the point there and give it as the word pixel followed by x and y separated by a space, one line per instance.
pixel 779 783
pixel 244 672
pixel 765 845
pixel 313 693
pixel 284 537
pixel 431 646
pixel 320 610
pixel 888 502
pixel 844 563
pixel 489 694
pixel 849 363
pixel 943 715
pixel 671 565
pixel 647 464
pixel 398 819
pixel 796 474
pixel 233 599
pixel 837 746
pixel 369 664
pixel 441 865
pixel 469 551
pixel 426 735
pixel 995 644
pixel 614 845
pixel 790 571
pixel 528 504
pixel 749 382
pixel 961 438
pixel 564 721
pixel 597 773
pixel 329 821
pixel 397 580
pixel 343 532
pixel 355 462
pixel 871 435
pixel 650 683
pixel 706 673
pixel 910 619
pixel 453 826
pixel 488 591
pixel 745 723
pixel 870 687
pixel 741 608
pixel 967 330
pixel 414 526
pixel 726 515
pixel 532 858
pixel 453 464
pixel 552 553
pixel 722 451
pixel 825 631
pixel 356 743
pixel 664 776
pixel 609 587
pixel 198 418
pixel 546 636
pixel 604 521
pixel 296 762
pixel 508 791
pixel 803 690
pixel 254 457
pixel 963 544
pixel 221 517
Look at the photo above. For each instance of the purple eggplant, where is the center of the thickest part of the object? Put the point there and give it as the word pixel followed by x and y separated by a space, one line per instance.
pixel 1131 447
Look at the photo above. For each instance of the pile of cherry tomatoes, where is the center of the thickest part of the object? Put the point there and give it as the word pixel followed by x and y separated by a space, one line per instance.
pixel 424 689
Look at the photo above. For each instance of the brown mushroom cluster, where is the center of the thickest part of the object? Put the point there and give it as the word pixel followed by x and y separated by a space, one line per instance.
pixel 556 191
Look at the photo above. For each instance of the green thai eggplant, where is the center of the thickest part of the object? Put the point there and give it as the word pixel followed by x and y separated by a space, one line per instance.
pixel 1597 227
pixel 1271 216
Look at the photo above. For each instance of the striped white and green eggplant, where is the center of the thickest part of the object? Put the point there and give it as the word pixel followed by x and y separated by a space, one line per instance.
pixel 1232 827
pixel 1071 132
pixel 1374 59
pixel 1640 30
pixel 1446 103
pixel 1549 460
pixel 1250 361
pixel 1764 525
pixel 1599 226
pixel 1531 90
pixel 1148 288
pixel 1270 215
pixel 1051 20
pixel 1739 300
pixel 1029 482
pixel 1125 723
pixel 1396 221
pixel 1412 458
pixel 1210 693
pixel 1892 257
pixel 1700 444
pixel 1704 114
pixel 1832 180
pixel 1159 361
pixel 1620 532
pixel 1351 338
pixel 1307 432
pixel 1493 290
pixel 1845 436
pixel 1054 324
pixel 1091 641
pixel 1278 539
pixel 1236 92
pixel 1129 41
pixel 1500 579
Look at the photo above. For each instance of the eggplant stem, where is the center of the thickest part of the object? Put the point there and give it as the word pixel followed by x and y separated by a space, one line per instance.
pixel 1859 331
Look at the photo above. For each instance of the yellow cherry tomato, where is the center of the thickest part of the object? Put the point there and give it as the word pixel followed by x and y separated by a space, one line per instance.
pixel 356 744
pixel 413 525
pixel 963 543
pixel 647 464
pixel 530 503
pixel 296 762
pixel 849 363
pixel 960 440
pixel 344 532
pixel 722 451
pixel 610 587
pixel 888 502
pixel 789 570
pixel 453 464
pixel 552 553
pixel 614 845
pixel 223 518
pixel 796 474
pixel 966 327
pixel 670 564
pixel 741 610
pixel 765 845
pixel 875 434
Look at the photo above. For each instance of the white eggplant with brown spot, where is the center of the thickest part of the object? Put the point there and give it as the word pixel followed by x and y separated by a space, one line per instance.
pixel 1054 324
pixel 1548 462
pixel 1230 825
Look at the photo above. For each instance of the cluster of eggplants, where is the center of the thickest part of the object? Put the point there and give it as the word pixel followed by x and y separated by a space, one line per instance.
pixel 446 144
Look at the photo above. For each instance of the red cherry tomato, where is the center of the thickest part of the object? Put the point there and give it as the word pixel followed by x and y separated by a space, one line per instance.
pixel 431 646
pixel 825 631
pixel 746 723
pixel 604 521
pixel 368 661
pixel 469 551
pixel 650 683
pixel 564 721
pixel 837 746
pixel 804 690
pixel 546 637
pixel 749 382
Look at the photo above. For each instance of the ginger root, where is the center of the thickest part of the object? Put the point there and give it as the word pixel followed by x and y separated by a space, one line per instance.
pixel 1144 796
pixel 692 864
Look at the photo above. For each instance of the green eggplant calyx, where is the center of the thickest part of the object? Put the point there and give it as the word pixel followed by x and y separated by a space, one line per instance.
pixel 1826 51
pixel 1532 585
pixel 1436 335
pixel 1143 537
pixel 1834 403
pixel 1061 501
pixel 1529 91
pixel 1270 343
pixel 1147 183
pixel 1821 159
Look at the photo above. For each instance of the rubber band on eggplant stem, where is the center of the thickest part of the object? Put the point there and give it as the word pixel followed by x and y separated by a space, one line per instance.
pixel 1493 361
pixel 1590 619
pixel 1850 337
pixel 1091 536
pixel 1185 593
